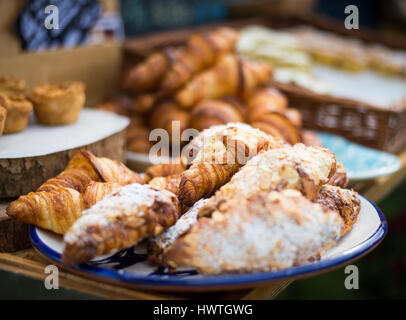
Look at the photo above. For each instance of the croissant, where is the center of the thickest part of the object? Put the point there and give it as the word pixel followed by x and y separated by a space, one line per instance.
pixel 268 99
pixel 219 159
pixel 215 112
pixel 164 169
pixel 231 75
pixel 54 210
pixel 267 111
pixel 119 220
pixel 165 116
pixel 278 125
pixel 148 74
pixel 95 191
pixel 143 103
pixel 137 136
pixel 299 167
pixel 265 231
pixel 117 104
pixel 201 51
pixel 158 245
pixel 342 201
pixel 77 174
pixel 170 183
pixel 339 179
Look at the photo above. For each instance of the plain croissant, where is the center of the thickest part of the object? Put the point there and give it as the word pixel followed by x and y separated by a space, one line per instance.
pixel 201 51
pixel 54 210
pixel 59 202
pixel 231 75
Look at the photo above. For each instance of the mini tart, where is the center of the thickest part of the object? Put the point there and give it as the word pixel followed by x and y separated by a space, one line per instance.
pixel 18 112
pixel 11 85
pixel 58 104
pixel 3 114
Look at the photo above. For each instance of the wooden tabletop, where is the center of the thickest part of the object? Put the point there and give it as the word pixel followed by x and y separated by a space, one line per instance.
pixel 29 263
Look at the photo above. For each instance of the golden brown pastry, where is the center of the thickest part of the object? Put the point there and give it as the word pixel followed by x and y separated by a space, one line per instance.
pixel 220 156
pixel 60 197
pixel 121 219
pixel 143 102
pixel 85 167
pixel 164 169
pixel 95 191
pixel 164 115
pixel 201 51
pixel 267 111
pixel 147 75
pixel 278 125
pixel 339 179
pixel 18 112
pixel 208 113
pixel 3 115
pixel 263 232
pixel 231 75
pixel 342 201
pixel 117 104
pixel 170 183
pixel 11 85
pixel 137 136
pixel 54 210
pixel 157 246
pixel 299 167
pixel 264 100
pixel 58 104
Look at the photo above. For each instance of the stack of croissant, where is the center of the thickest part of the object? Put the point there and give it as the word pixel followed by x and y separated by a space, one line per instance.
pixel 242 201
pixel 201 84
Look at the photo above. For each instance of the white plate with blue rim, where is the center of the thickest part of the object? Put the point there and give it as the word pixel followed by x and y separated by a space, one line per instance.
pixel 129 267
pixel 360 162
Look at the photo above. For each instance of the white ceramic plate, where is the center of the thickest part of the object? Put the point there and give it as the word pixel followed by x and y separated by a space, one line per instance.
pixel 130 268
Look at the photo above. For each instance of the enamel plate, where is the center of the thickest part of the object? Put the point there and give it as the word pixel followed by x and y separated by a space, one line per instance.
pixel 129 267
pixel 360 162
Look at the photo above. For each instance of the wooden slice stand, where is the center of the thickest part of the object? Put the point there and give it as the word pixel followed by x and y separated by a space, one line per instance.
pixel 26 169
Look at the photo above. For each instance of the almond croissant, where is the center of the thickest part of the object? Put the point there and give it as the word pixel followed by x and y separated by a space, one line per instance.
pixel 54 210
pixel 221 155
pixel 231 75
pixel 265 231
pixel 342 201
pixel 119 220
pixel 299 167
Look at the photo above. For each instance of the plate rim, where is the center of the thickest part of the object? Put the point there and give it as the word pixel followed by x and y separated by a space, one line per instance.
pixel 376 173
pixel 214 282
